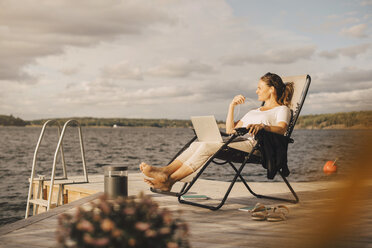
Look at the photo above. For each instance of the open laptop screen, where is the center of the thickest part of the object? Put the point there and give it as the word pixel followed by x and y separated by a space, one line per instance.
pixel 206 128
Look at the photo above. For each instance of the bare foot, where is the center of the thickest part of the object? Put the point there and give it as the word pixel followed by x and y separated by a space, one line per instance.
pixel 153 172
pixel 164 186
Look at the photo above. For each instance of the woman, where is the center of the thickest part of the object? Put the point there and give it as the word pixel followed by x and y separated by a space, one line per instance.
pixel 273 116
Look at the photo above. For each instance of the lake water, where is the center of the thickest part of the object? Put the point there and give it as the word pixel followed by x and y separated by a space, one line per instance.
pixel 130 146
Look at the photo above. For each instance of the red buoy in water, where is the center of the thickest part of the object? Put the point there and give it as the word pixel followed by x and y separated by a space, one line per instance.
pixel 330 167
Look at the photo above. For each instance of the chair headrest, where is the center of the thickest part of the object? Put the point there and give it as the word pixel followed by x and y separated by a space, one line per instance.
pixel 299 84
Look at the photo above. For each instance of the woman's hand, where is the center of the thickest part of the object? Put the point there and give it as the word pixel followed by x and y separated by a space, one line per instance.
pixel 254 128
pixel 239 99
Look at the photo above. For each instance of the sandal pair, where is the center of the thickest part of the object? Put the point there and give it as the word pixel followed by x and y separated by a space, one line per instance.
pixel 278 213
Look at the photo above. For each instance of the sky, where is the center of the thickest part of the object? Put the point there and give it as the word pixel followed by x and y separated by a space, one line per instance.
pixel 176 59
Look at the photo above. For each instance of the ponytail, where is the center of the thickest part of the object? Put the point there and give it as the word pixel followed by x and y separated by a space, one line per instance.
pixel 287 95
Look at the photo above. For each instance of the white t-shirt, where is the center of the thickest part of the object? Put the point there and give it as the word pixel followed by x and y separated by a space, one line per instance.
pixel 269 117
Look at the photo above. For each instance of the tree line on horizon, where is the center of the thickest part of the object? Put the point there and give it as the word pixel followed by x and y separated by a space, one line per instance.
pixel 318 121
pixel 347 119
pixel 10 120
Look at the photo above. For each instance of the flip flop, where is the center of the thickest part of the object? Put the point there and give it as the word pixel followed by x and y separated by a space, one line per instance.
pixel 258 207
pixel 259 212
pixel 260 216
pixel 279 213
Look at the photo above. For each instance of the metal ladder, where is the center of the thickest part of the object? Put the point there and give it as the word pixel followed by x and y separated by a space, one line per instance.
pixel 38 197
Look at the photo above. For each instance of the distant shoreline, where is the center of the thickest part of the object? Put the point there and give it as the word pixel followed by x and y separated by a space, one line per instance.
pixel 221 126
pixel 347 120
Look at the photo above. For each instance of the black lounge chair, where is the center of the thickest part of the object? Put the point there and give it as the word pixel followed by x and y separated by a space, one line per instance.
pixel 231 156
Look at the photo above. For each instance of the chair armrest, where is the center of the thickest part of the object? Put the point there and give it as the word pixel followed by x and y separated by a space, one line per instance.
pixel 241 131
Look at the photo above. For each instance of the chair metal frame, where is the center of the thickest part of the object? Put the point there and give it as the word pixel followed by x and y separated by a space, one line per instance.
pixel 244 159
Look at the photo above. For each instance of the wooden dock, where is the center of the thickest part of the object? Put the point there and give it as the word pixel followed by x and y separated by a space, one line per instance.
pixel 330 214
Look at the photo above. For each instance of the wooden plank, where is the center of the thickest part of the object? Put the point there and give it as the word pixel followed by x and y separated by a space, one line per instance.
pixel 51 213
pixel 229 227
pixel 40 202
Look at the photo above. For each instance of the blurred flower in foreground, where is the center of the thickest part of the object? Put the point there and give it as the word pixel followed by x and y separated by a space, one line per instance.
pixel 129 222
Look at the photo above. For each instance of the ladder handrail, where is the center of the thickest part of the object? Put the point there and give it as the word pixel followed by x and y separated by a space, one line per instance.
pixel 56 156
pixel 35 159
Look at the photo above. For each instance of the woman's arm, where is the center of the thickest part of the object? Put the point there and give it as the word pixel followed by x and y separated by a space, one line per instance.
pixel 230 124
pixel 281 128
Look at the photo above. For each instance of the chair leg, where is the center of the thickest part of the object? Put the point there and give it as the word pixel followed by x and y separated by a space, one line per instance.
pixel 238 174
pixel 223 199
pixel 243 180
pixel 296 200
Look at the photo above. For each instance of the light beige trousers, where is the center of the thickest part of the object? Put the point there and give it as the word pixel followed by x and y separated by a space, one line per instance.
pixel 199 152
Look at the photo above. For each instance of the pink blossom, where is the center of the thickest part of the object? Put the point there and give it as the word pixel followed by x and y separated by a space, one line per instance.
pixel 85 225
pixel 129 211
pixel 150 233
pixel 79 212
pixel 97 242
pixel 107 225
pixel 132 242
pixel 164 230
pixel 142 226
pixel 97 218
pixel 116 233
pixel 172 245
pixel 167 218
pixel 105 207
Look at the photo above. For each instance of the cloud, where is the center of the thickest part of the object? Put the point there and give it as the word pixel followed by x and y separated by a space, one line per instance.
pixel 328 102
pixel 357 31
pixel 122 70
pixel 227 89
pixel 163 95
pixel 68 71
pixel 334 22
pixel 347 79
pixel 106 92
pixel 351 51
pixel 180 68
pixel 279 56
pixel 366 3
pixel 163 58
pixel 350 75
pixel 32 28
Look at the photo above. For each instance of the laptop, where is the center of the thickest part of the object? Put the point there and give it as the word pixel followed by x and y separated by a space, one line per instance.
pixel 206 128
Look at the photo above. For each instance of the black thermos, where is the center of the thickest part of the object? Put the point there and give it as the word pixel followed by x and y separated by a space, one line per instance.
pixel 116 181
